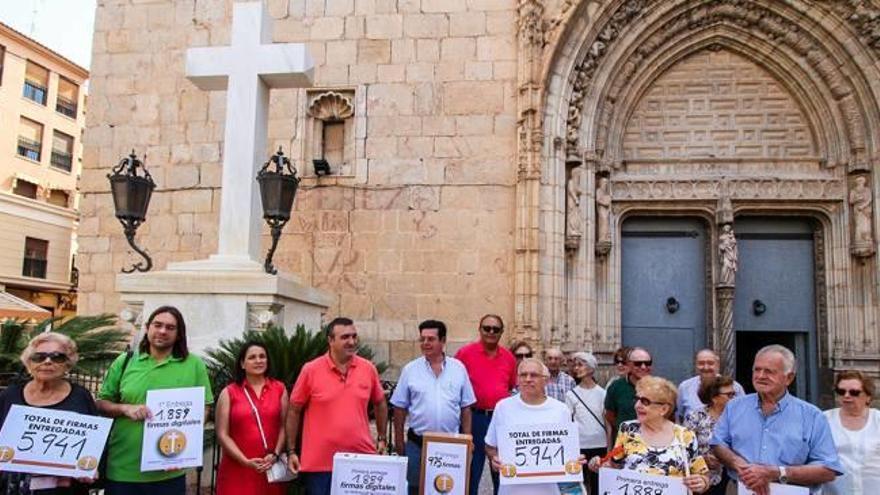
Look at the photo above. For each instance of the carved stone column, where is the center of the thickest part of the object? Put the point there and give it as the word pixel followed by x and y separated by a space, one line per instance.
pixel 726 345
pixel 728 256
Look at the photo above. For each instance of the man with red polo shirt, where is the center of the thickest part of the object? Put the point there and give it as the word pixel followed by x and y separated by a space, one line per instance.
pixel 333 392
pixel 492 371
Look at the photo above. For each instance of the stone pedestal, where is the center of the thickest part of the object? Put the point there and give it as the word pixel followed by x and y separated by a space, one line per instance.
pixel 221 300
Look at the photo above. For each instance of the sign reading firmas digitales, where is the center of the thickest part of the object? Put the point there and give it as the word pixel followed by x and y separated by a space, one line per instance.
pixel 545 453
pixel 173 436
pixel 52 442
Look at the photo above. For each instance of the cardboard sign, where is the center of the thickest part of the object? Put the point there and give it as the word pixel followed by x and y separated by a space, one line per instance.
pixel 173 436
pixel 544 453
pixel 52 442
pixel 446 464
pixel 775 489
pixel 626 482
pixel 366 474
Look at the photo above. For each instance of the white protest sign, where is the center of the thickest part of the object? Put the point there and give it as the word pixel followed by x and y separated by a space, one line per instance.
pixel 173 436
pixel 445 464
pixel 775 489
pixel 626 482
pixel 365 474
pixel 544 453
pixel 52 442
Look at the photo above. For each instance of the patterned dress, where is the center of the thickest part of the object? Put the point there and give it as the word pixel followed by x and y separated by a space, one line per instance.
pixel 636 454
pixel 703 424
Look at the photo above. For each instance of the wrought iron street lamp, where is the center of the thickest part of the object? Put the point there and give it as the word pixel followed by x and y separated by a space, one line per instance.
pixel 131 198
pixel 277 191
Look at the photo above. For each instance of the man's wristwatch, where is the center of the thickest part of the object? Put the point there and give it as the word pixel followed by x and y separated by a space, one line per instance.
pixel 783 477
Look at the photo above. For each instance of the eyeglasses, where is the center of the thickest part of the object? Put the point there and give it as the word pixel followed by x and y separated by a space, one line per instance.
pixel 729 395
pixel 55 357
pixel 491 329
pixel 643 364
pixel 619 361
pixel 531 375
pixel 523 355
pixel 847 391
pixel 647 402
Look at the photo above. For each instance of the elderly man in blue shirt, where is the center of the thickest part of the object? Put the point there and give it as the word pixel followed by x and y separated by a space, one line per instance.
pixel 434 391
pixel 772 436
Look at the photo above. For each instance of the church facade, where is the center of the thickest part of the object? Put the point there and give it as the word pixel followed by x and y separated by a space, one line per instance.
pixel 675 174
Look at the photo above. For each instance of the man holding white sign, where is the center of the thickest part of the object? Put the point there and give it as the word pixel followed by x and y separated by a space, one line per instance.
pixel 162 362
pixel 547 454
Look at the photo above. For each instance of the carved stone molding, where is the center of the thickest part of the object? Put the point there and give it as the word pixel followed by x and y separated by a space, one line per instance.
pixel 330 105
pixel 768 188
pixel 864 17
pixel 262 315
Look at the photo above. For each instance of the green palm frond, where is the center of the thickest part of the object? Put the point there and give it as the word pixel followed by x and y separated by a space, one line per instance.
pixel 13 339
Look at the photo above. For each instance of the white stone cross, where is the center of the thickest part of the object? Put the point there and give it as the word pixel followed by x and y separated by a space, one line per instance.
pixel 246 70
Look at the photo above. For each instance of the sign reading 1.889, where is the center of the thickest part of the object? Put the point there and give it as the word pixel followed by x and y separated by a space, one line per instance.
pixel 626 482
pixel 173 411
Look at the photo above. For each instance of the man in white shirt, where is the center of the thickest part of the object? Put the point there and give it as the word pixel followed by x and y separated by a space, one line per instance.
pixel 708 365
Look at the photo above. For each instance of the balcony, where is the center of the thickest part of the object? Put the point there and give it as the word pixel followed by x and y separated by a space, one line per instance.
pixel 35 92
pixel 61 160
pixel 29 149
pixel 35 268
pixel 65 107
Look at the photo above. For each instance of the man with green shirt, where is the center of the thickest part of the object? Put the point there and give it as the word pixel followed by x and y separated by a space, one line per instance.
pixel 161 362
pixel 620 398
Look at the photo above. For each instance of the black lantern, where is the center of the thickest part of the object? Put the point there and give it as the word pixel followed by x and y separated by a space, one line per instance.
pixel 277 190
pixel 131 198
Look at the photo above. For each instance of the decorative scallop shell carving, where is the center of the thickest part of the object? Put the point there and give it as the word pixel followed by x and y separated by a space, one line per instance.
pixel 331 106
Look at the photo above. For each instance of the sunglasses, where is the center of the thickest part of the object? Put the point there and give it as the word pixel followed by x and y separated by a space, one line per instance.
pixel 523 356
pixel 647 402
pixel 619 361
pixel 642 364
pixel 55 357
pixel 844 391
pixel 491 329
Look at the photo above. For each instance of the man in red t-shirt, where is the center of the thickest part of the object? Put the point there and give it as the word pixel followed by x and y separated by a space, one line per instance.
pixel 331 395
pixel 492 371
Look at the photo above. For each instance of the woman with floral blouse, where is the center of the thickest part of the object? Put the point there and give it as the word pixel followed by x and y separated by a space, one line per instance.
pixel 652 444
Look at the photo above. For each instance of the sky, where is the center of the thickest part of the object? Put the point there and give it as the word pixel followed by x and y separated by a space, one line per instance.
pixel 65 26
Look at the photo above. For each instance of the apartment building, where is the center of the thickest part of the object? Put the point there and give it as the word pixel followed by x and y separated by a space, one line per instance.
pixel 42 116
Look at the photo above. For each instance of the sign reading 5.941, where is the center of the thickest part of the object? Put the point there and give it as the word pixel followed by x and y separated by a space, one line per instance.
pixel 52 442
pixel 545 453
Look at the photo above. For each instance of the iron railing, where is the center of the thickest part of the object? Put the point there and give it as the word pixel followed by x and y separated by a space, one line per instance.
pixel 35 92
pixel 65 106
pixel 29 148
pixel 61 160
pixel 34 267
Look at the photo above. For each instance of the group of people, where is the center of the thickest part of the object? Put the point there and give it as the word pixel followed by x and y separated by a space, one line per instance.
pixel 706 430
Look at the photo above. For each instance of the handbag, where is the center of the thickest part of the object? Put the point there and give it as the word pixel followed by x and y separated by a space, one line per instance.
pixel 278 473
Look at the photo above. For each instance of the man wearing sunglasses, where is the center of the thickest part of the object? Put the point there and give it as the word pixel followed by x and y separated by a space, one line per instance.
pixel 492 372
pixel 771 436
pixel 708 365
pixel 620 396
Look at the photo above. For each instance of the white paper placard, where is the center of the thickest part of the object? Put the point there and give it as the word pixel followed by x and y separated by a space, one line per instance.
pixel 173 436
pixel 446 467
pixel 365 474
pixel 626 482
pixel 543 453
pixel 775 489
pixel 52 442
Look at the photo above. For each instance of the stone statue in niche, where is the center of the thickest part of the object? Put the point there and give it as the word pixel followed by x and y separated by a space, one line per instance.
pixel 861 200
pixel 728 253
pixel 574 190
pixel 603 216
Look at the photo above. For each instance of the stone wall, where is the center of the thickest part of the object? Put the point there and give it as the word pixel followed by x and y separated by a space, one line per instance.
pixel 422 229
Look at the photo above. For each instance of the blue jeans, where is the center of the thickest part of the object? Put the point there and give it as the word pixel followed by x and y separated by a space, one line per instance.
pixel 479 427
pixel 413 466
pixel 317 483
pixel 173 486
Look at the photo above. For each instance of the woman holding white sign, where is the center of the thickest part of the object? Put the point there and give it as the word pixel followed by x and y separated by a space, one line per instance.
pixel 250 418
pixel 652 444
pixel 587 404
pixel 48 357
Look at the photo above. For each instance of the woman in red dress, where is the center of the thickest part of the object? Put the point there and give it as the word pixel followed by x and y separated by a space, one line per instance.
pixel 245 460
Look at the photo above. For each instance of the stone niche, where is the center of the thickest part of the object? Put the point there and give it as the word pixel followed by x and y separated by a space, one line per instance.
pixel 330 130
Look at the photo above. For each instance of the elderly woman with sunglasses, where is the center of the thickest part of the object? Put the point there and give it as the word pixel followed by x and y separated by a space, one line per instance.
pixel 714 393
pixel 855 427
pixel 48 357
pixel 653 444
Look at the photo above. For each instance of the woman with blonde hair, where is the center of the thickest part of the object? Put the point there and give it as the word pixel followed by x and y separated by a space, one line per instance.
pixel 653 444
pixel 48 357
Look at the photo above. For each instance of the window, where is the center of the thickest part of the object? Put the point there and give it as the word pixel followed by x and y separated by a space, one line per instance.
pixel 36 82
pixel 30 139
pixel 62 151
pixel 2 59
pixel 35 251
pixel 25 188
pixel 68 95
pixel 58 197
